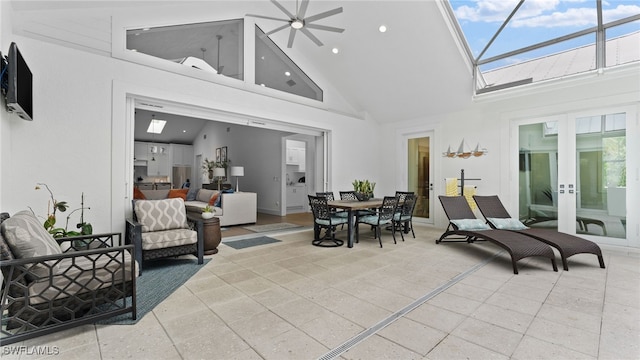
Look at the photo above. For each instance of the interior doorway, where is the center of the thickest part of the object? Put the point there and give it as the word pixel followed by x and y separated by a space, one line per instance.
pixel 419 174
pixel 303 164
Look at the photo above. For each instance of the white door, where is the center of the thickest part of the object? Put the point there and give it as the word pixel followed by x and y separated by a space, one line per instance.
pixel 570 174
pixel 418 170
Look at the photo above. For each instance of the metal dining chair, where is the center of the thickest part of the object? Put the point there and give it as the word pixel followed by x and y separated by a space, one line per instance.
pixel 324 218
pixel 382 217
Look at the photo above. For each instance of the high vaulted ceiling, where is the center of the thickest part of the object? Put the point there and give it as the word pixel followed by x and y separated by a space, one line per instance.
pixel 414 70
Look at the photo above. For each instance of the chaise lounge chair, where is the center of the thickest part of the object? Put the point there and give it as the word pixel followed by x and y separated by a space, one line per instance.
pixel 518 246
pixel 568 245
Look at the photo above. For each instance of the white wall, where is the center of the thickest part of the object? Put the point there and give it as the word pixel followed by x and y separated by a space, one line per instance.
pixel 488 121
pixel 5 118
pixel 78 140
pixel 258 150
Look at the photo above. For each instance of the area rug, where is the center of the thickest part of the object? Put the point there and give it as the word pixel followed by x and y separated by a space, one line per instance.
pixel 160 278
pixel 271 227
pixel 245 243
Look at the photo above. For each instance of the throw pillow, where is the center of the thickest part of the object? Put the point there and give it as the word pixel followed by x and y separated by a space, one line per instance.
pixel 507 224
pixel 205 195
pixel 178 193
pixel 27 238
pixel 191 194
pixel 137 194
pixel 214 199
pixel 470 224
pixel 159 215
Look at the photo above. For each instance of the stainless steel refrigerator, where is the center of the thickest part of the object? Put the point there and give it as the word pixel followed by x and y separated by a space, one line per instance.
pixel 180 174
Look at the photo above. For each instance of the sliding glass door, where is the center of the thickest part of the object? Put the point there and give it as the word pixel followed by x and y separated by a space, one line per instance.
pixel 572 173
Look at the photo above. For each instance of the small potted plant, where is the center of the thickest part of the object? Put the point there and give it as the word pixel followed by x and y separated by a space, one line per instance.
pixel 207 212
pixel 364 189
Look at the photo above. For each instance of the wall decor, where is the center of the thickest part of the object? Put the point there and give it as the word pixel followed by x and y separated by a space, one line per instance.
pixel 223 154
pixel 218 152
pixel 465 152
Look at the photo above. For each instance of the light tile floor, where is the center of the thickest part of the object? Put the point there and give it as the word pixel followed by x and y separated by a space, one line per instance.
pixel 291 300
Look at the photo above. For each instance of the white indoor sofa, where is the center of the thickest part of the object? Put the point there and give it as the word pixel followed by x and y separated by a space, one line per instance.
pixel 233 208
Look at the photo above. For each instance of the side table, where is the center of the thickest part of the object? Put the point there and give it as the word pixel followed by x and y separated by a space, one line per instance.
pixel 212 235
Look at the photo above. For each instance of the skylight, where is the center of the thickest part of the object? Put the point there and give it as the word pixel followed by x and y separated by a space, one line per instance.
pixel 156 126
pixel 546 39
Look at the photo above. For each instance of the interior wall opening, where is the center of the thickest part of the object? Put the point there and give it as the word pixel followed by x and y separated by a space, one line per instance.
pixel 255 145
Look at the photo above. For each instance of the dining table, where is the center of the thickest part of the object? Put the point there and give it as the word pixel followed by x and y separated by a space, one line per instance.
pixel 352 207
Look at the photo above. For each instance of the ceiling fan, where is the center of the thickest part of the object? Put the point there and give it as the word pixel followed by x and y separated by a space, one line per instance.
pixel 298 22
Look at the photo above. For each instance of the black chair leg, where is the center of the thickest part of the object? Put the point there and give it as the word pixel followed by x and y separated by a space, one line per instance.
pixel 328 240
pixel 393 233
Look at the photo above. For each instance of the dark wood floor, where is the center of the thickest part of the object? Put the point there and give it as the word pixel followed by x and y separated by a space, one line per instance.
pixel 303 219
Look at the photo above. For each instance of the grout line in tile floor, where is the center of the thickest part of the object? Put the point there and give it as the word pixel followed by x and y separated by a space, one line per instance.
pixel 344 347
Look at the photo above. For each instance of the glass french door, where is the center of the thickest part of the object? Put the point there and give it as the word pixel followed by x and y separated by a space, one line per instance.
pixel 572 173
pixel 419 174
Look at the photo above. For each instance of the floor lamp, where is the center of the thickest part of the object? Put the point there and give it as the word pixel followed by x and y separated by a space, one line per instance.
pixel 237 171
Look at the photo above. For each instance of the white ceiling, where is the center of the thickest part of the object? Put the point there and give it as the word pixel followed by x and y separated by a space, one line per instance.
pixel 414 70
pixel 178 130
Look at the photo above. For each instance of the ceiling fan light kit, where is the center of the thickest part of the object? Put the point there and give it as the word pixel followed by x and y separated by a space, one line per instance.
pixel 299 22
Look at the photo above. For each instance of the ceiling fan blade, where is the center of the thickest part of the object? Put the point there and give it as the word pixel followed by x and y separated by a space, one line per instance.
pixel 311 36
pixel 303 9
pixel 323 27
pixel 277 29
pixel 292 35
pixel 322 15
pixel 268 17
pixel 283 9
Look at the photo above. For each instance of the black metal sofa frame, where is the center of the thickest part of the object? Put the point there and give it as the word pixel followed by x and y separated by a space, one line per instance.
pixel 91 292
pixel 518 246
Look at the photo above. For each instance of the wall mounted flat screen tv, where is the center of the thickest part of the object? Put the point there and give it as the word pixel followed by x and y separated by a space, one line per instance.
pixel 20 82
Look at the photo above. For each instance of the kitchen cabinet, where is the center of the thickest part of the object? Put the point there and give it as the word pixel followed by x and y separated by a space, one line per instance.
pixel 296 156
pixel 302 159
pixel 296 197
pixel 158 160
pixel 292 156
pixel 182 155
pixel 140 151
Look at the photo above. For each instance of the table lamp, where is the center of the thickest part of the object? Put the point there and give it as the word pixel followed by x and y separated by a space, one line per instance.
pixel 237 171
pixel 219 173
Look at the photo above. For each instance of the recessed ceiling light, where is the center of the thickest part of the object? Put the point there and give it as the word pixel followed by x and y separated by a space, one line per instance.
pixel 287 73
pixel 382 28
pixel 156 126
pixel 335 50
pixel 184 131
pixel 263 85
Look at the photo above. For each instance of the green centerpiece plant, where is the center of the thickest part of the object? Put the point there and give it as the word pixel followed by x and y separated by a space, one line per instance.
pixel 364 189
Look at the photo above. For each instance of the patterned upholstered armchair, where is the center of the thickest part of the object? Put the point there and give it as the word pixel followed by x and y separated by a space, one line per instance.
pixel 161 228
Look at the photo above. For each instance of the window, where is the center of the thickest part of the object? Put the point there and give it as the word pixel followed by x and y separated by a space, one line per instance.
pixel 515 43
pixel 215 47
pixel 275 70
